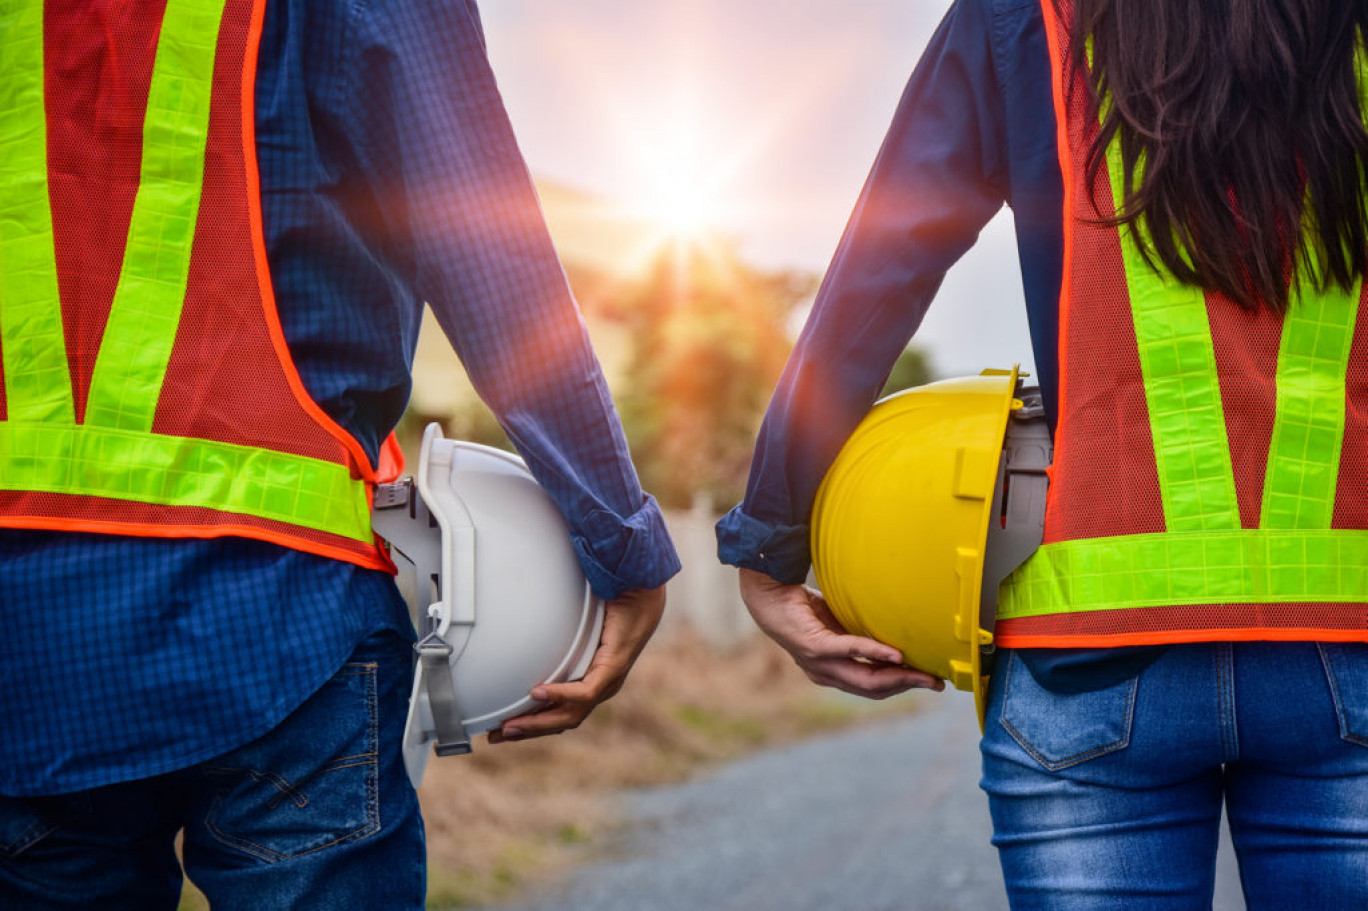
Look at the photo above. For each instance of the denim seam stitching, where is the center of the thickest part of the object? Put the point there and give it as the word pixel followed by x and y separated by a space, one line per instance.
pixel 286 788
pixel 372 810
pixel 373 742
pixel 1225 685
pixel 1337 698
pixel 251 847
pixel 30 837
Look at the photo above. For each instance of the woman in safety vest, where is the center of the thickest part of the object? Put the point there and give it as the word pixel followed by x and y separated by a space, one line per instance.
pixel 1188 185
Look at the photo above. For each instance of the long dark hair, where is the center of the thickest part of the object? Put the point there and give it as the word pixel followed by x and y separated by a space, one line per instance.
pixel 1245 118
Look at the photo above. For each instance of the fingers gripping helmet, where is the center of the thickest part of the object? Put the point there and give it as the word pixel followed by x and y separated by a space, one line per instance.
pixel 487 568
pixel 935 498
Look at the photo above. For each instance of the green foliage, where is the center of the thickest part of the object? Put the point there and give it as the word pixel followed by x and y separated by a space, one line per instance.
pixel 571 834
pixel 472 422
pixel 698 343
pixel 913 368
pixel 710 343
pixel 451 890
pixel 720 726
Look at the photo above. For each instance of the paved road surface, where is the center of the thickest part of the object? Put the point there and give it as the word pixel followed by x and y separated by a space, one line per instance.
pixel 885 818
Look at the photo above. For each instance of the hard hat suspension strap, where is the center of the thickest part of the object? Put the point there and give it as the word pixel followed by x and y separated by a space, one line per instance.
pixel 434 655
pixel 405 520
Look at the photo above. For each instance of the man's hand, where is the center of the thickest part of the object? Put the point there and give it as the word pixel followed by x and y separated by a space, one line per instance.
pixel 627 623
pixel 797 618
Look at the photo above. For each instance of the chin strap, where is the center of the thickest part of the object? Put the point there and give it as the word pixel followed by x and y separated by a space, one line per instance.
pixel 434 656
pixel 403 519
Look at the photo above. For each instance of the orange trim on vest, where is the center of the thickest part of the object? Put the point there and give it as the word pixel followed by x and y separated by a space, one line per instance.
pixel 241 387
pixel 1052 39
pixel 378 559
pixel 361 463
pixel 1090 289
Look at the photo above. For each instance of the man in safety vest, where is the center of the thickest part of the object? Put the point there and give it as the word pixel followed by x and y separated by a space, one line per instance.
pixel 219 222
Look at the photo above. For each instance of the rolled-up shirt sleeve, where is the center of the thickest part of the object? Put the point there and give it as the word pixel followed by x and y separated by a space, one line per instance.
pixel 455 199
pixel 939 177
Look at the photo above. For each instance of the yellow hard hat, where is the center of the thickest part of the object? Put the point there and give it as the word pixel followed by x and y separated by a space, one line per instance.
pixel 906 514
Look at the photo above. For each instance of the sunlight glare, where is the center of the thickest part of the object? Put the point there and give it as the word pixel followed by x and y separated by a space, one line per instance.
pixel 682 190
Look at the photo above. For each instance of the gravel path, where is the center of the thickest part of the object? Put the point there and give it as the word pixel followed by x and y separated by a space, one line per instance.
pixel 883 818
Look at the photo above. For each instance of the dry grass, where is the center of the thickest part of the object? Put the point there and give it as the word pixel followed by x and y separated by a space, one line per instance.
pixel 517 815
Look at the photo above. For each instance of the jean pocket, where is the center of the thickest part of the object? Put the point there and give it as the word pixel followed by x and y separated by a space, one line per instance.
pixel 21 826
pixel 309 784
pixel 1064 729
pixel 1346 670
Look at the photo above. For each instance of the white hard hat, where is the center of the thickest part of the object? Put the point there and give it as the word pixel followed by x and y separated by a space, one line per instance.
pixel 487 567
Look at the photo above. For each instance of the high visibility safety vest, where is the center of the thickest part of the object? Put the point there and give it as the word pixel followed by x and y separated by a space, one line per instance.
pixel 1210 477
pixel 148 389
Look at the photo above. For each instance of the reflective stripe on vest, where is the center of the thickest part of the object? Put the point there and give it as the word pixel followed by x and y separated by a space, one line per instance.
pixel 1205 557
pixel 114 453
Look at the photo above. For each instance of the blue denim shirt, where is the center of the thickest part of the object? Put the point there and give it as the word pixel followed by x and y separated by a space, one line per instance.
pixel 975 129
pixel 390 176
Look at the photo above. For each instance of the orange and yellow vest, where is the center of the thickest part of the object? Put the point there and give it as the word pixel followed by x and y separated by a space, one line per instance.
pixel 148 389
pixel 1210 477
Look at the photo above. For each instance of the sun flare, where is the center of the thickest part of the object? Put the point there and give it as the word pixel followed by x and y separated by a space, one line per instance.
pixel 683 159
pixel 681 188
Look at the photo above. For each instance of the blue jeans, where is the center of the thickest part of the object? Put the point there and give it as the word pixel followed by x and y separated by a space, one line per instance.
pixel 1112 799
pixel 317 814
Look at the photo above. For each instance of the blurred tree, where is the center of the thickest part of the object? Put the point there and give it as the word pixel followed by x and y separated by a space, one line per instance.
pixel 913 368
pixel 471 421
pixel 709 343
pixel 693 348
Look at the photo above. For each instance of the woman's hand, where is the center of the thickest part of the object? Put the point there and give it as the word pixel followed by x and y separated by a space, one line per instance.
pixel 797 618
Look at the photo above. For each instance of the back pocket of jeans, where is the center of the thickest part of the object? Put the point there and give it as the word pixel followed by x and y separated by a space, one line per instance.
pixel 1346 669
pixel 21 826
pixel 1064 729
pixel 309 784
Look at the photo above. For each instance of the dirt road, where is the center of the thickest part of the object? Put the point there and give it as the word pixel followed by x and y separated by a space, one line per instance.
pixel 883 818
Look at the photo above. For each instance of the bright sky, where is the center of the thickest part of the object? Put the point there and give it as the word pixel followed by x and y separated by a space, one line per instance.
pixel 759 118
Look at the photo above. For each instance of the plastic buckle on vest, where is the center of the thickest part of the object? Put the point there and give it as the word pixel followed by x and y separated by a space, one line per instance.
pixel 434 655
pixel 393 495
